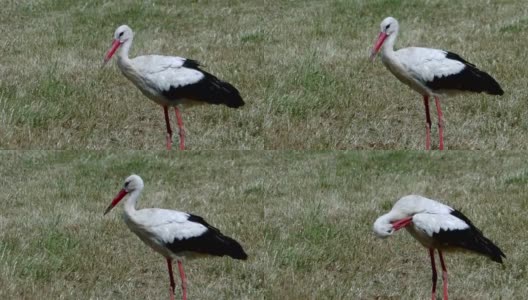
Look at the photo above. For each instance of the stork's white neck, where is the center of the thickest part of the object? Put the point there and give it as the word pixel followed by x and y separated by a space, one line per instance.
pixel 125 64
pixel 390 217
pixel 125 48
pixel 387 50
pixel 123 61
pixel 130 204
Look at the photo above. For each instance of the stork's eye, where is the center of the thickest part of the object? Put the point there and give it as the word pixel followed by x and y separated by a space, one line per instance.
pixel 387 27
pixel 121 34
pixel 126 183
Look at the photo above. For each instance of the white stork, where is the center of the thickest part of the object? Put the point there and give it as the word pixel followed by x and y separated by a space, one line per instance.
pixel 173 234
pixel 436 226
pixel 170 80
pixel 431 72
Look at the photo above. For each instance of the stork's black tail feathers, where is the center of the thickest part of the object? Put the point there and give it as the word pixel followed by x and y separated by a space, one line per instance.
pixel 489 249
pixel 209 89
pixel 220 245
pixel 483 82
pixel 233 248
pixel 473 239
pixel 469 79
pixel 221 92
pixel 211 242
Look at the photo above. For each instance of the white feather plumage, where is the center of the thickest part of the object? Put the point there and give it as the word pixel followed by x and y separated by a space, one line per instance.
pixel 168 225
pixel 434 223
pixel 165 71
pixel 424 64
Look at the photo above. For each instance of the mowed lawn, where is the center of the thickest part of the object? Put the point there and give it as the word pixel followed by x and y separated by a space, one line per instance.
pixel 301 66
pixel 304 218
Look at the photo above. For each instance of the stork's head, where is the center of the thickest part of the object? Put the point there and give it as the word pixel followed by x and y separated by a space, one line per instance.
pixel 382 227
pixel 122 34
pixel 399 217
pixel 388 26
pixel 132 183
pixel 393 221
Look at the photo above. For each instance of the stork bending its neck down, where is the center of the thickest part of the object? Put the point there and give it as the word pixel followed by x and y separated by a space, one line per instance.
pixel 437 227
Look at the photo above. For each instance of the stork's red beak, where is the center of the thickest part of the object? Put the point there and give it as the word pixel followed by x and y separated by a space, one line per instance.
pixel 122 193
pixel 379 42
pixel 399 224
pixel 111 51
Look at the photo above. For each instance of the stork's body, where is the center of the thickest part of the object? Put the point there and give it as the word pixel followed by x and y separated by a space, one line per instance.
pixel 437 227
pixel 174 234
pixel 431 72
pixel 171 81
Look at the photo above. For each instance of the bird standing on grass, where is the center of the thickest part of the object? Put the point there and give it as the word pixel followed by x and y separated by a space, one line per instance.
pixel 170 81
pixel 173 234
pixel 436 226
pixel 431 72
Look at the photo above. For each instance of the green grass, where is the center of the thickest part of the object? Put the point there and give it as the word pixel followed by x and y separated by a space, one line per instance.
pixel 304 218
pixel 301 66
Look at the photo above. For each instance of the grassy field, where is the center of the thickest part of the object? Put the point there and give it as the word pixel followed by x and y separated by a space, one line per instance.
pixel 304 218
pixel 301 66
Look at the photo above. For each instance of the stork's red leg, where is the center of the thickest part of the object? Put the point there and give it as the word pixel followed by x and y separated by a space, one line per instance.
pixel 172 284
pixel 444 273
pixel 440 123
pixel 169 130
pixel 433 267
pixel 183 283
pixel 428 123
pixel 180 126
